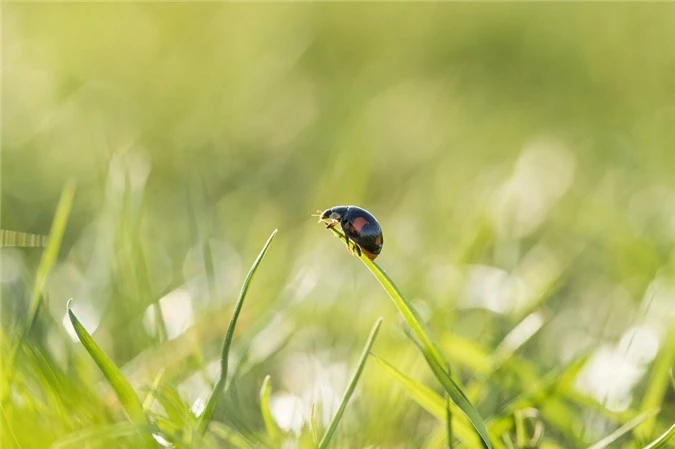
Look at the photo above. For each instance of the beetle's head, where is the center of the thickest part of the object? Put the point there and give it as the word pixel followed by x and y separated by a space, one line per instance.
pixel 334 213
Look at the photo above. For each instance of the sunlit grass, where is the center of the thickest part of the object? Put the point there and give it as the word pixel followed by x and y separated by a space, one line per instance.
pixel 430 350
pixel 518 157
pixel 335 421
pixel 217 392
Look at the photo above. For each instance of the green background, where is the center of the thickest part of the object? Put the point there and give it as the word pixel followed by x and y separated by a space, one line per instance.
pixel 518 156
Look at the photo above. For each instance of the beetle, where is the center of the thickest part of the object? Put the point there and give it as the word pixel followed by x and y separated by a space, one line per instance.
pixel 359 226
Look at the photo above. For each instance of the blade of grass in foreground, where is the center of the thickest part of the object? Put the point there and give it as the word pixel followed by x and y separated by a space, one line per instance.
pixel 430 401
pixel 47 261
pixel 270 425
pixel 125 393
pixel 663 439
pixel 351 387
pixel 658 385
pixel 429 349
pixel 229 334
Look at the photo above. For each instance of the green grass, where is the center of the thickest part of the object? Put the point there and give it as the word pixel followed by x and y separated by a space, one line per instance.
pixel 430 350
pixel 217 392
pixel 332 426
pixel 517 156
pixel 123 390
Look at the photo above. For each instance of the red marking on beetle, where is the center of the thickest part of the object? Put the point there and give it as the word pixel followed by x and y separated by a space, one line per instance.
pixel 378 240
pixel 360 223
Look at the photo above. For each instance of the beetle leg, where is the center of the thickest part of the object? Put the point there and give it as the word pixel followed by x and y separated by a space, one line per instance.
pixel 350 245
pixel 331 225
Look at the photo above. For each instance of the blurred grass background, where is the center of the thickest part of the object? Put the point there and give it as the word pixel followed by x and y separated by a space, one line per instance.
pixel 518 156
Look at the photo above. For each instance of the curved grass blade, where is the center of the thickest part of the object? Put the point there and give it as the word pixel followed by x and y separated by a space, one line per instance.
pixel 420 393
pixel 270 425
pixel 621 431
pixel 431 352
pixel 429 400
pixel 351 387
pixel 458 397
pixel 125 393
pixel 662 440
pixel 229 334
pixel 47 261
pixel 659 378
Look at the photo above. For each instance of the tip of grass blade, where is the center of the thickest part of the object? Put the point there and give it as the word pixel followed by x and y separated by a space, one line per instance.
pixel 217 390
pixel 120 385
pixel 265 394
pixel 351 386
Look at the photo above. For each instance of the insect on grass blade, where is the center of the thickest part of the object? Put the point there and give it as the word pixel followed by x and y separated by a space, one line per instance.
pixel 429 349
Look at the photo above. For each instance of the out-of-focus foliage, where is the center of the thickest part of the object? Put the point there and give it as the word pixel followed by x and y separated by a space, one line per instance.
pixel 519 158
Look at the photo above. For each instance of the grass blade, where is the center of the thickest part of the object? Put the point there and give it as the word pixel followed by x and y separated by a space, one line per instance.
pixel 621 431
pixel 150 397
pixel 663 439
pixel 220 385
pixel 431 352
pixel 430 401
pixel 659 380
pixel 47 261
pixel 270 425
pixel 420 393
pixel 541 391
pixel 125 393
pixel 52 250
pixel 351 387
pixel 458 397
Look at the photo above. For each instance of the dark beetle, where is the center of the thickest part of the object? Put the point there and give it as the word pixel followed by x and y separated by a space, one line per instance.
pixel 359 226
